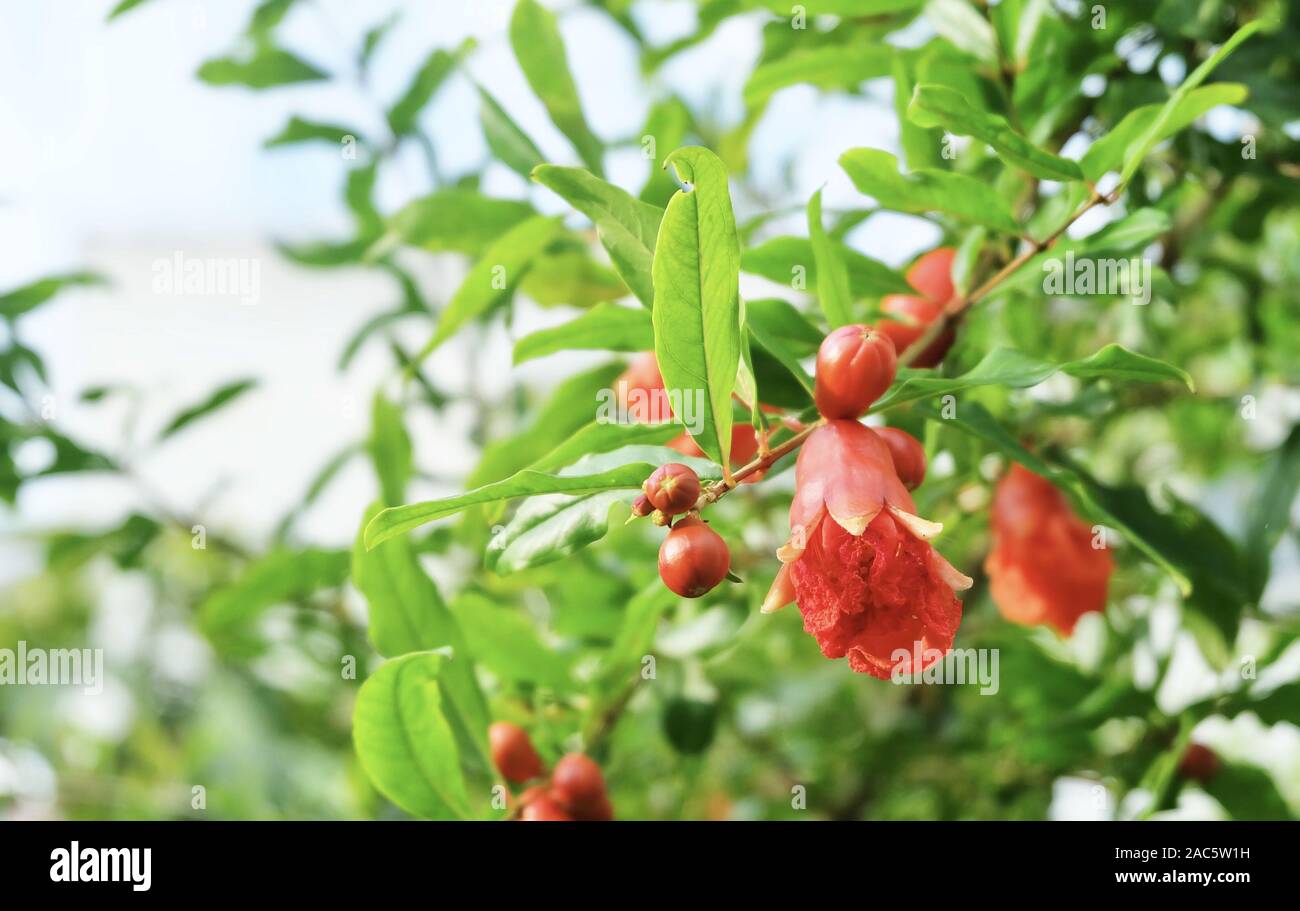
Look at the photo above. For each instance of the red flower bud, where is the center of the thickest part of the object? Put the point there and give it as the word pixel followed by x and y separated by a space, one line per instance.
pixel 916 314
pixel 907 453
pixel 693 558
pixel 1043 567
pixel 545 808
pixel 642 506
pixel 855 365
pixel 673 488
pixel 513 753
pixel 1199 763
pixel 931 274
pixel 580 787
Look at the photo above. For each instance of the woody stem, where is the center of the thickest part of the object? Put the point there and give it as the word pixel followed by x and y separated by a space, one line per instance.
pixel 765 461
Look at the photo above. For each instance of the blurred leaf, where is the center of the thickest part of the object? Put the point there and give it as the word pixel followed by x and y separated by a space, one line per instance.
pixel 266 68
pixel 875 173
pixel 961 24
pixel 606 327
pixel 123 7
pixel 825 67
pixel 405 744
pixel 506 643
pixel 298 130
pixel 571 276
pixel 690 725
pixel 221 397
pixel 493 276
pixel 604 437
pixel 1247 792
pixel 1282 704
pixel 390 449
pixel 403 116
pixel 1269 515
pixel 626 226
pixel 776 259
pixel 636 635
pixel 373 37
pixel 505 139
pixel 832 276
pixel 275 578
pixel 667 126
pixel 697 298
pixel 22 300
pixel 539 48
pixel 457 219
pixel 939 106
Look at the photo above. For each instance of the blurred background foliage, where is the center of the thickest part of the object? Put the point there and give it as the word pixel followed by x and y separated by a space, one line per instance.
pixel 237 679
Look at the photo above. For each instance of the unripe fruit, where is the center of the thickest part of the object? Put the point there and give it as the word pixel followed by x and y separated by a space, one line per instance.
pixel 642 506
pixel 917 313
pixel 1199 763
pixel 908 455
pixel 673 488
pixel 855 365
pixel 545 808
pixel 693 558
pixel 513 753
pixel 580 787
pixel 931 274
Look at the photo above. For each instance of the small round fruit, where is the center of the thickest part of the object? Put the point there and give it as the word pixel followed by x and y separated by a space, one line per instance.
pixel 513 753
pixel 916 314
pixel 579 785
pixel 931 274
pixel 642 506
pixel 545 808
pixel 855 365
pixel 1199 763
pixel 693 558
pixel 673 488
pixel 908 455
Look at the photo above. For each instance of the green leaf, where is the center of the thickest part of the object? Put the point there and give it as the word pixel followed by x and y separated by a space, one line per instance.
pixel 511 145
pixel 1269 515
pixel 457 219
pixel 832 276
pixel 1007 367
pixel 667 126
pixel 277 577
pixel 27 298
pixel 697 299
pixel 539 48
pixel 964 27
pixel 506 643
pixel 835 67
pixel 390 449
pixel 1247 792
pixel 875 173
pixel 123 7
pixel 1111 151
pixel 690 724
pixel 299 130
pixel 404 742
pixel 568 274
pixel 266 68
pixel 494 275
pixel 218 399
pixel 777 258
pixel 636 635
pixel 599 436
pixel 403 116
pixel 547 528
pixel 1137 150
pixel 939 106
pixel 783 333
pixel 626 226
pixel 605 327
pixel 1281 704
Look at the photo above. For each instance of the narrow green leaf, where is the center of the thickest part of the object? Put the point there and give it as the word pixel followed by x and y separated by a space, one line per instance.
pixel 961 24
pixel 299 130
pixel 939 106
pixel 790 261
pixel 605 327
pixel 1247 792
pixel 267 68
pixel 1269 514
pixel 875 173
pixel 404 115
pixel 22 300
pixel 697 299
pixel 666 127
pixel 277 577
pixel 494 275
pixel 510 144
pixel 598 437
pixel 404 742
pixel 123 7
pixel 539 48
pixel 506 642
pixel 457 219
pixel 835 67
pixel 626 226
pixel 219 398
pixel 390 449
pixel 832 276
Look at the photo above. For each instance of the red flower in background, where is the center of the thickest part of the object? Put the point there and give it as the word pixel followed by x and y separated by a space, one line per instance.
pixel 1043 568
pixel 932 276
pixel 858 563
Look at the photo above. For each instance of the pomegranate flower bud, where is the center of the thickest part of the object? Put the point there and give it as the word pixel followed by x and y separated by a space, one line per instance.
pixel 673 488
pixel 855 365
pixel 1043 568
pixel 907 454
pixel 868 584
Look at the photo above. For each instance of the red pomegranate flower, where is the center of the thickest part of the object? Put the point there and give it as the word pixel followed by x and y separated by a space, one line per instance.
pixel 858 563
pixel 1043 568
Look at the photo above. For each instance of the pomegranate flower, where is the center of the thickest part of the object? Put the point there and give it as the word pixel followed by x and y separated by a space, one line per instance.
pixel 1043 568
pixel 858 562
